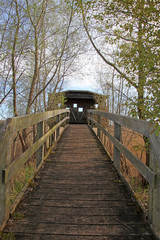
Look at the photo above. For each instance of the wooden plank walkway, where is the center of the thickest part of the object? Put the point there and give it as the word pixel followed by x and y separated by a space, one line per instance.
pixel 79 196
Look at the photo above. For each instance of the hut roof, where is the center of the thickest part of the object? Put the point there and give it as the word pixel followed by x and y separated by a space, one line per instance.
pixel 81 94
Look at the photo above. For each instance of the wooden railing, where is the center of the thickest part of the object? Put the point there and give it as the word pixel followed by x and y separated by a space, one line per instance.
pixel 8 167
pixel 152 172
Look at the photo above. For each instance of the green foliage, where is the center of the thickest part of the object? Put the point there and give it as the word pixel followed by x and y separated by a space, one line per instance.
pixel 141 192
pixel 56 101
pixel 138 147
pixel 133 27
pixel 157 132
pixel 156 129
pixel 101 101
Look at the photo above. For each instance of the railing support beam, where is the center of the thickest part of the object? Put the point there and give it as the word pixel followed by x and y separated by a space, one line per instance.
pixel 154 196
pixel 4 189
pixel 117 153
pixel 40 151
pixel 57 131
pixel 98 130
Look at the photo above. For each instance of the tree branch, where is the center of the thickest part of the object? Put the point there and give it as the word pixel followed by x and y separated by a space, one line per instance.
pixel 102 56
pixel 59 61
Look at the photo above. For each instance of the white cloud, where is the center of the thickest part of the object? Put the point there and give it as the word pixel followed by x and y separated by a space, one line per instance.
pixel 85 78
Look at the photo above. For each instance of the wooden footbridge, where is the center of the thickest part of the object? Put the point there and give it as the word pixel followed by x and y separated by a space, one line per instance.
pixel 78 193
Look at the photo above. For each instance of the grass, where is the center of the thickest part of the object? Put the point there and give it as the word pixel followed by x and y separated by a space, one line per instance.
pixel 141 192
pixel 17 184
pixel 7 236
pixel 20 180
pixel 18 216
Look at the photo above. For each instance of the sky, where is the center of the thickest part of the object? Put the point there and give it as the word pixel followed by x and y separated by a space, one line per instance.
pixel 86 77
pixel 87 67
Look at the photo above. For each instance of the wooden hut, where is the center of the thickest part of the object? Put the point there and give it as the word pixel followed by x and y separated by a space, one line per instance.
pixel 78 102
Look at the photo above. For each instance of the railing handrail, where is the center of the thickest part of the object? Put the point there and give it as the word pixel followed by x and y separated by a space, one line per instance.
pixel 21 122
pixel 15 124
pixel 152 172
pixel 12 169
pixel 141 126
pixel 145 171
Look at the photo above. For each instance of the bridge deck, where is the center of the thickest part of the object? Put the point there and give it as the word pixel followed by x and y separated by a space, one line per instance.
pixel 79 196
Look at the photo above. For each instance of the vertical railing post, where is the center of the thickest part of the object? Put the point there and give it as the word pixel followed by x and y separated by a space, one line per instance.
pixel 87 116
pixel 4 189
pixel 50 141
pixel 67 115
pixel 117 154
pixel 91 115
pixel 53 137
pixel 40 151
pixel 47 143
pixel 154 196
pixel 98 130
pixel 57 131
pixel 88 121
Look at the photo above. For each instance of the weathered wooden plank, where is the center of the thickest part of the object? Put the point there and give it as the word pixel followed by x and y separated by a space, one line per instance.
pixel 84 230
pixel 81 203
pixel 18 163
pixel 87 192
pixel 145 171
pixel 81 211
pixel 137 125
pixel 83 175
pixel 82 197
pixel 80 237
pixel 71 219
pixel 75 186
pixel 85 187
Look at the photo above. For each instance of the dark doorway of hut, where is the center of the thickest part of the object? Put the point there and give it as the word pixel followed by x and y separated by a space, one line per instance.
pixel 79 102
pixel 78 114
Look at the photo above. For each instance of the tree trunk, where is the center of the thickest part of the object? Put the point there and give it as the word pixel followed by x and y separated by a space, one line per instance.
pixel 31 94
pixel 113 74
pixel 140 89
pixel 13 61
